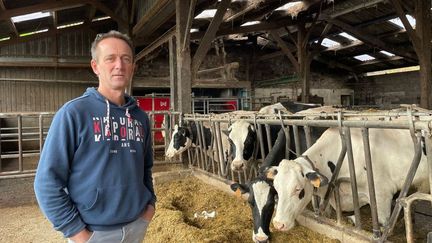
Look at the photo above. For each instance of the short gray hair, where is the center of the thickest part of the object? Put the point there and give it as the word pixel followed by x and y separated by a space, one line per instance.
pixel 111 34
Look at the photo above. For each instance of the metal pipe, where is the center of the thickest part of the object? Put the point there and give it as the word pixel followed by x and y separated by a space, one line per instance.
pixel 404 191
pixel 371 185
pixel 223 170
pixel 428 144
pixel 308 136
pixel 351 166
pixel 406 203
pixel 268 135
pixel 337 197
pixel 296 140
pixel 20 150
pixel 261 144
pixel 0 146
pixel 335 174
pixel 41 128
pixel 394 124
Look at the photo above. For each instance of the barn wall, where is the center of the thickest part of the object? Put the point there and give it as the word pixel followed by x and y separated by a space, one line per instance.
pixel 27 88
pixel 388 90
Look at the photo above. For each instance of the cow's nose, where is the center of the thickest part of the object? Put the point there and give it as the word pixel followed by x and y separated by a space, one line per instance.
pixel 236 166
pixel 278 225
pixel 261 239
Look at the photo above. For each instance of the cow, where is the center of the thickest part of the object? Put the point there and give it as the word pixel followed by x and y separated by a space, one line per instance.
pixel 261 192
pixel 391 153
pixel 184 137
pixel 243 138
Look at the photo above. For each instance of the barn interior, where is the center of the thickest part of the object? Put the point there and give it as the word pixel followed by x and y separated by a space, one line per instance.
pixel 209 56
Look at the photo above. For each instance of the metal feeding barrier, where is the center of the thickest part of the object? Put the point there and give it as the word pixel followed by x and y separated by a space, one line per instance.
pixel 216 161
pixel 22 136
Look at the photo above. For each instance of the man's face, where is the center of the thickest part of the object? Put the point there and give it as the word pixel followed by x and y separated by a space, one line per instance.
pixel 114 64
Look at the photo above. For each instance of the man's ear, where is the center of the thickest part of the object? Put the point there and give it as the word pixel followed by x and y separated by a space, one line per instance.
pixel 94 66
pixel 317 179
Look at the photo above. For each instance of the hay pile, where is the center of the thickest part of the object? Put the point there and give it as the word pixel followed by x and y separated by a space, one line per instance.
pixel 179 200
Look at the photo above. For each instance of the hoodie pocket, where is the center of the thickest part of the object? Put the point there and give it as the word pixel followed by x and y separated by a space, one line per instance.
pixel 93 196
pixel 116 204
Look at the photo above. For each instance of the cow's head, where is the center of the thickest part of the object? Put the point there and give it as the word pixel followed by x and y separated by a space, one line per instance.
pixel 261 200
pixel 180 141
pixel 242 138
pixel 294 181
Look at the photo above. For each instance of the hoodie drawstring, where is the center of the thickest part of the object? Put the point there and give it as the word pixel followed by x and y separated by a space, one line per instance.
pixel 128 115
pixel 107 126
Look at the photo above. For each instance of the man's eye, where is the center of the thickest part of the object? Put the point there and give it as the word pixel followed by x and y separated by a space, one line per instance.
pixel 127 60
pixel 109 59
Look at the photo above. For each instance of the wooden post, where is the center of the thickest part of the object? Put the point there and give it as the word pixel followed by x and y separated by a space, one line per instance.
pixel 173 75
pixel 184 82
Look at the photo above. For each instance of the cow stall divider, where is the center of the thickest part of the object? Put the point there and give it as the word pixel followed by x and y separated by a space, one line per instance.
pixel 216 160
pixel 22 136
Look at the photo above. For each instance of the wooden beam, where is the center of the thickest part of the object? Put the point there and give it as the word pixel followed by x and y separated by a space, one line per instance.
pixel 91 11
pixel 286 50
pixel 351 8
pixel 47 5
pixel 184 76
pixel 411 33
pixel 164 82
pixel 210 34
pixel 247 29
pixel 250 5
pixel 157 6
pixel 371 40
pixel 9 22
pixel 102 7
pixel 155 44
pixel 44 62
pixel 376 61
pixel 53 33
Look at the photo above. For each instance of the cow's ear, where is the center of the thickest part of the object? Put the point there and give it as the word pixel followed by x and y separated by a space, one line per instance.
pixel 252 128
pixel 270 172
pixel 239 189
pixel 317 179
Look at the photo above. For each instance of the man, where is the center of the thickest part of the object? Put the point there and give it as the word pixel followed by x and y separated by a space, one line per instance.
pixel 94 179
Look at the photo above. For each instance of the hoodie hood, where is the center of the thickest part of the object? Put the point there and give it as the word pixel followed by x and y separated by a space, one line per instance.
pixel 130 104
pixel 130 101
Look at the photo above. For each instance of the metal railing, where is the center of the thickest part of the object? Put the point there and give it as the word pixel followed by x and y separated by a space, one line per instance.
pixel 214 160
pixel 22 136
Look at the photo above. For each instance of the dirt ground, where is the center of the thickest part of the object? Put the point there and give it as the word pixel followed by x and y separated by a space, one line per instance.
pixel 22 222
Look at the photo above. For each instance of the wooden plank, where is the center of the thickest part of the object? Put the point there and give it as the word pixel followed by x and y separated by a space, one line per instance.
pixel 285 49
pixel 210 34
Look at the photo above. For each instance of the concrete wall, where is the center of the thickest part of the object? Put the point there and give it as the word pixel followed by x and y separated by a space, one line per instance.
pixel 388 90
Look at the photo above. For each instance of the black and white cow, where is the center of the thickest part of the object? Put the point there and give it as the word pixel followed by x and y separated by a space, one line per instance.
pixel 262 194
pixel 391 151
pixel 184 137
pixel 243 140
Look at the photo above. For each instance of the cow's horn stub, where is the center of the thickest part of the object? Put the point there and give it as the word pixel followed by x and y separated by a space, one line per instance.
pixel 238 193
pixel 314 178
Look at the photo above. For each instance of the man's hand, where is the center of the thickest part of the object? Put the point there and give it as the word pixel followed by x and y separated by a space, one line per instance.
pixel 149 212
pixel 82 236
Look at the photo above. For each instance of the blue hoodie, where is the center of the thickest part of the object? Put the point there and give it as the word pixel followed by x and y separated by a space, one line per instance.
pixel 93 173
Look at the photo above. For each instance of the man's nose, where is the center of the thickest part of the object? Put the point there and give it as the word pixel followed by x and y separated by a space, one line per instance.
pixel 118 63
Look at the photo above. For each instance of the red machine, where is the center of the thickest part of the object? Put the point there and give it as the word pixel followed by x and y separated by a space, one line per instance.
pixel 149 104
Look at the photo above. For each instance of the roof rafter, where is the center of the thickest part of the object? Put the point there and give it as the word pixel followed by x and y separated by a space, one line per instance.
pixel 9 22
pixel 44 6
